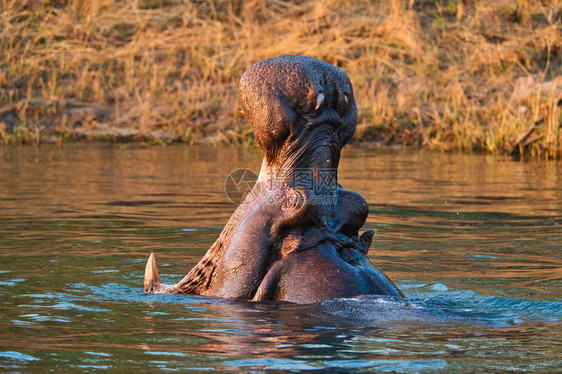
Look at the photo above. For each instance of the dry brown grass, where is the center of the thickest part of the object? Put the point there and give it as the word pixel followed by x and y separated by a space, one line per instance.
pixel 443 74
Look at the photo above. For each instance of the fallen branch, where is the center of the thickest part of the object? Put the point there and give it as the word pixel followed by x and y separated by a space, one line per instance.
pixel 523 137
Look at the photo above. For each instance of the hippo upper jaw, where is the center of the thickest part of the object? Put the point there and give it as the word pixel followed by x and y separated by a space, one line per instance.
pixel 297 105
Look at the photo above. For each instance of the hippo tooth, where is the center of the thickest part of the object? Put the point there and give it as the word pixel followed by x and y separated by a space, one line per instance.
pixel 319 100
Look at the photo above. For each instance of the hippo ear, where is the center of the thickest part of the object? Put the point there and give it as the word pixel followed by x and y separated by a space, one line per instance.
pixel 365 241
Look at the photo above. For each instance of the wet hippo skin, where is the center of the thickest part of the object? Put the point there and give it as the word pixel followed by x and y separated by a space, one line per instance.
pixel 295 237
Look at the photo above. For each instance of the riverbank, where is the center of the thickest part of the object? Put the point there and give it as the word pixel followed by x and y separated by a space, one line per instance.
pixel 452 75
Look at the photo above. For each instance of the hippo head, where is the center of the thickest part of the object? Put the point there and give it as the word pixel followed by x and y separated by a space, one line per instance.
pixel 292 241
pixel 302 111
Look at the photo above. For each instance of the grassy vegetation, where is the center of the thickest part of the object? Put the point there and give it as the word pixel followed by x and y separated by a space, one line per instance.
pixel 480 75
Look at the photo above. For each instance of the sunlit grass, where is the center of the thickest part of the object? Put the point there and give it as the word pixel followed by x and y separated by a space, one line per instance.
pixel 449 74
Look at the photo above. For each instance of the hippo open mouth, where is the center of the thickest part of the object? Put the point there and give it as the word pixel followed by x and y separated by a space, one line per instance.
pixel 297 238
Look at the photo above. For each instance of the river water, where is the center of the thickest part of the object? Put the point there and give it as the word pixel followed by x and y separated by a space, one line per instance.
pixel 473 241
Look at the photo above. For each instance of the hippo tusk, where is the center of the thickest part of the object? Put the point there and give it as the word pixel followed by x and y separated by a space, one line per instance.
pixel 150 274
pixel 319 100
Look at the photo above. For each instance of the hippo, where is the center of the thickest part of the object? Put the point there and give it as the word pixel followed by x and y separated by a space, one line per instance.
pixel 295 237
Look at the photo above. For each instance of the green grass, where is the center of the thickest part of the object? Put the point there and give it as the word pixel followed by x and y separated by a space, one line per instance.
pixel 448 75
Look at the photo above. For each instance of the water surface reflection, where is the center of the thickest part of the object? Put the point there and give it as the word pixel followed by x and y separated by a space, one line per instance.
pixel 473 241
